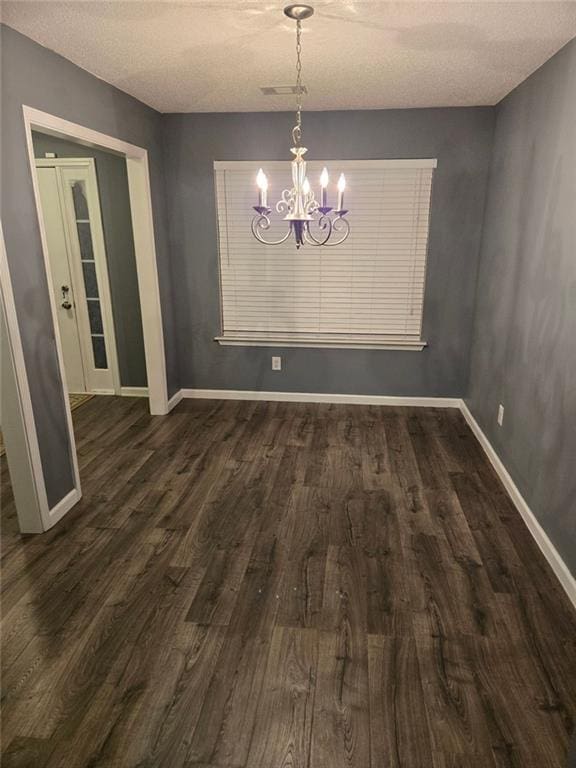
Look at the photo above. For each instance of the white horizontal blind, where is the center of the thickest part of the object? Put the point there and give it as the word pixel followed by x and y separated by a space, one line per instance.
pixel 369 289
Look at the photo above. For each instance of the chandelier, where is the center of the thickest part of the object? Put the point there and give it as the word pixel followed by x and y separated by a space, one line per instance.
pixel 298 203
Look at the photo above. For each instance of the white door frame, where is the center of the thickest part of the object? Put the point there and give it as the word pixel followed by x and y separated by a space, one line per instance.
pixel 147 270
pixel 18 427
pixel 99 248
pixel 144 244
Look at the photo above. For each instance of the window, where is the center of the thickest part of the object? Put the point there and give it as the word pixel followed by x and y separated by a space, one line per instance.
pixel 369 291
pixel 84 230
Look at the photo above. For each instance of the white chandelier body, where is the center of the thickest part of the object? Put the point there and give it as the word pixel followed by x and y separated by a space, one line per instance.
pixel 309 221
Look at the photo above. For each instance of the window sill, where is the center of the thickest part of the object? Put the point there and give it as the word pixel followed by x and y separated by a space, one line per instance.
pixel 322 343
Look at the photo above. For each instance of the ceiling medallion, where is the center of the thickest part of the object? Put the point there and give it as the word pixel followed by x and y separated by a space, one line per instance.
pixel 299 205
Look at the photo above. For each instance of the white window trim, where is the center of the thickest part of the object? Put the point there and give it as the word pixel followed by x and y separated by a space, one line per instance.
pixel 322 341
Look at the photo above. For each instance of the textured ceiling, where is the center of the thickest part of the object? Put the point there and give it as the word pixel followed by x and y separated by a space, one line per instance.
pixel 214 55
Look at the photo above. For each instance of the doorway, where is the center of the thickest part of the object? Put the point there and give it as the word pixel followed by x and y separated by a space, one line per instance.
pixel 88 213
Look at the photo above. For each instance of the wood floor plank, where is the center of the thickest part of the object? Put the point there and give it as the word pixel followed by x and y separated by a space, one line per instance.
pixel 455 714
pixel 492 540
pixel 451 523
pixel 283 728
pixel 345 591
pixel 399 735
pixel 302 587
pixel 428 455
pixel 375 456
pixel 389 609
pixel 216 597
pixel 341 732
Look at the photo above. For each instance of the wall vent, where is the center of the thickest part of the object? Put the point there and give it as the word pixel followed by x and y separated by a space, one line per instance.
pixel 282 90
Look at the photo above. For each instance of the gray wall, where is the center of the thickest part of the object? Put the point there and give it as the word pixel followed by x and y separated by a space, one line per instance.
pixel 525 328
pixel 35 76
pixel 120 256
pixel 459 138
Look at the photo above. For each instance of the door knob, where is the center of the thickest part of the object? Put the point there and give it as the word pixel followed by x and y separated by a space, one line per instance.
pixel 66 305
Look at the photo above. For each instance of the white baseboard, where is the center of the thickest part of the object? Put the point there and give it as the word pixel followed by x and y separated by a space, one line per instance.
pixel 547 548
pixel 315 397
pixel 175 399
pixel 64 505
pixel 134 391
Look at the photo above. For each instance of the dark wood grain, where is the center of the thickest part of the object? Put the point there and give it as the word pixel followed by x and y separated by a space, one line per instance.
pixel 282 585
pixel 341 732
pixel 399 735
pixel 283 725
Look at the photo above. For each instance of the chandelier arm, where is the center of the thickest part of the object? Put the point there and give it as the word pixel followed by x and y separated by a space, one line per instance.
pixel 338 225
pixel 324 222
pixel 262 222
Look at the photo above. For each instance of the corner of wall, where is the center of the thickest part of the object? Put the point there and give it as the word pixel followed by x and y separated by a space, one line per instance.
pixel 479 254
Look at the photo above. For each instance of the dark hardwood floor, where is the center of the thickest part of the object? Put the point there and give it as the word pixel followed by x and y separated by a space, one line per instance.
pixel 271 585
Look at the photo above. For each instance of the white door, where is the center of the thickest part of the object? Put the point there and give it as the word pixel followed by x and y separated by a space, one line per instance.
pixel 65 298
pixel 71 211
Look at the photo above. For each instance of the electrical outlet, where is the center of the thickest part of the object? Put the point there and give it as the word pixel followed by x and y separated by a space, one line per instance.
pixel 500 414
pixel 276 363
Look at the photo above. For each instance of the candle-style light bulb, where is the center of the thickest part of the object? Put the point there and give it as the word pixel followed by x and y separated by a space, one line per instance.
pixel 306 187
pixel 262 182
pixel 324 178
pixel 341 188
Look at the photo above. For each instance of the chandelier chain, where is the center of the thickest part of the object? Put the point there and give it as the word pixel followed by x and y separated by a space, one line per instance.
pixel 297 130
